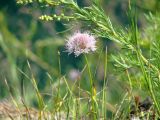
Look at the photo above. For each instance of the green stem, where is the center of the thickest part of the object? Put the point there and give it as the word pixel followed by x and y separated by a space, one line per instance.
pixel 90 75
pixel 104 87
pixel 91 89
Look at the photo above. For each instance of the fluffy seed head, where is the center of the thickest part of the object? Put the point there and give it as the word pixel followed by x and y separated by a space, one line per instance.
pixel 81 43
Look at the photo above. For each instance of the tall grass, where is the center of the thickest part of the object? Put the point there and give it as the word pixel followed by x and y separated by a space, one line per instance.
pixel 137 60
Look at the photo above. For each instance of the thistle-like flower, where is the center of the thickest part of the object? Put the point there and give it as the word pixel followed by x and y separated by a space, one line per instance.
pixel 81 43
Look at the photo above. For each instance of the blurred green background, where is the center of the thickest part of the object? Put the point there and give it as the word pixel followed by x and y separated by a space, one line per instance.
pixel 23 37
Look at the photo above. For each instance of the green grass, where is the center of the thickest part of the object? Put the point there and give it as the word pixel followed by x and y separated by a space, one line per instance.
pixel 111 79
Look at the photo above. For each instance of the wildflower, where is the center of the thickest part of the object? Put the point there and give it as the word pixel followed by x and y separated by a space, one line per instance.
pixel 74 74
pixel 81 43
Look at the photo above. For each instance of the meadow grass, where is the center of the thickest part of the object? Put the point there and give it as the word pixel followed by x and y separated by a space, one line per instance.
pixel 136 63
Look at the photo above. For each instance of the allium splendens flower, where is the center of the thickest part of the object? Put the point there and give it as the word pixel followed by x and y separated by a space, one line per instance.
pixel 81 43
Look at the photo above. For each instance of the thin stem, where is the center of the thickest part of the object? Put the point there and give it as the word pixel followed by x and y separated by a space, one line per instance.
pixel 104 87
pixel 59 81
pixel 59 65
pixel 91 89
pixel 90 75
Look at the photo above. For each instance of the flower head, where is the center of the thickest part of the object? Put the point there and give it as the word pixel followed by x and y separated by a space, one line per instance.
pixel 74 74
pixel 81 43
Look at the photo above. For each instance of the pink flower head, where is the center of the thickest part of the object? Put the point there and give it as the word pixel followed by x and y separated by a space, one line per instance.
pixel 74 74
pixel 81 43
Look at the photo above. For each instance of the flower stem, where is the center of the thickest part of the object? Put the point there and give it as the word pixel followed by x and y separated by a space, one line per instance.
pixel 93 110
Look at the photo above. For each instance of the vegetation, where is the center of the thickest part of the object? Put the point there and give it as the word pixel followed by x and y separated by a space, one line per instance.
pixel 110 72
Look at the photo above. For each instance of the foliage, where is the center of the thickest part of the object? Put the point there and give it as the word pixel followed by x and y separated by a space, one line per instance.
pixel 136 61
